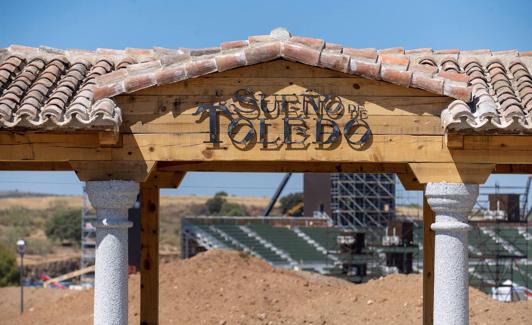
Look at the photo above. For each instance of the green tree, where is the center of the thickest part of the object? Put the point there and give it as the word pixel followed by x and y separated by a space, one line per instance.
pixel 65 225
pixel 8 267
pixel 218 206
pixel 215 204
pixel 290 201
pixel 233 210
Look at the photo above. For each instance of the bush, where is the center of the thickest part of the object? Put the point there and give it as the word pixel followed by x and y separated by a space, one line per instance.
pixel 233 210
pixel 215 204
pixel 291 200
pixel 65 224
pixel 8 267
pixel 218 206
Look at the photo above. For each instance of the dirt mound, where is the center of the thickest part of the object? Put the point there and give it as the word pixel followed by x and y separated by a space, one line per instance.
pixel 221 287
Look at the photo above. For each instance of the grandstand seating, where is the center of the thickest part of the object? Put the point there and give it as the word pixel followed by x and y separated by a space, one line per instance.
pixel 287 240
pixel 484 243
pixel 252 243
pixel 513 236
pixel 325 237
pixel 227 243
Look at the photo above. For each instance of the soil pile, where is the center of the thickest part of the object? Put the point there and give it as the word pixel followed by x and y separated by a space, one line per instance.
pixel 222 287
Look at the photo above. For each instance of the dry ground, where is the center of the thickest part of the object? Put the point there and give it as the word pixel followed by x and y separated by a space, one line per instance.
pixel 45 202
pixel 221 287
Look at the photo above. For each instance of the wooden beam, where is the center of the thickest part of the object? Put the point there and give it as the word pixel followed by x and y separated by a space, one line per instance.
pixel 428 263
pixel 109 139
pixel 513 169
pixel 149 255
pixel 282 166
pixel 454 141
pixel 35 165
pixel 451 172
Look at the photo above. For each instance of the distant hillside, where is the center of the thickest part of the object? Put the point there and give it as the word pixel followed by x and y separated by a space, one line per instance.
pixel 16 194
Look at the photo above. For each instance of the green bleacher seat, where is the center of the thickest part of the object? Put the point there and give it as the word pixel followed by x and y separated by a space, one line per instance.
pixel 326 237
pixel 287 240
pixel 241 236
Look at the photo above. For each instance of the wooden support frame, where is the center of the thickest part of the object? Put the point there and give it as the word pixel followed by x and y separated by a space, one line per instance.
pixel 149 241
pixel 428 263
pixel 149 255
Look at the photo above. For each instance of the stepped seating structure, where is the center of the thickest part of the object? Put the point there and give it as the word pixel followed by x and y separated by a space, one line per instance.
pixel 484 244
pixel 285 239
pixel 516 239
pixel 325 237
pixel 217 235
pixel 252 243
pixel 484 276
pixel 302 246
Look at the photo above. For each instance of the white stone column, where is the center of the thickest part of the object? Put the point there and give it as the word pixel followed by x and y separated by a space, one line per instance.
pixel 451 202
pixel 111 199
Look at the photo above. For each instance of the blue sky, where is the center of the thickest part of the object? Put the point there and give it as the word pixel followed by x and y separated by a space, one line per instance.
pixel 496 25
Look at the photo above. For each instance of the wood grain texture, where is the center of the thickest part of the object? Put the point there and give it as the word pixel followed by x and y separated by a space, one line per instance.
pixel 149 255
pixel 428 263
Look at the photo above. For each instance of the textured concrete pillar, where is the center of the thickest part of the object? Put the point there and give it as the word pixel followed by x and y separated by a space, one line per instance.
pixel 451 202
pixel 111 199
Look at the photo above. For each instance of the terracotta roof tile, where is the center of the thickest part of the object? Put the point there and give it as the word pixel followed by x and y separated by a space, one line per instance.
pixel 51 88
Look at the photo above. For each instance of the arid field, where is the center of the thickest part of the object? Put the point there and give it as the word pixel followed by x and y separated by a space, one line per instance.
pixel 222 287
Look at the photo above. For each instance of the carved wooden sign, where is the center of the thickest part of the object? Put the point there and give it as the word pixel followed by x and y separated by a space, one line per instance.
pixel 308 118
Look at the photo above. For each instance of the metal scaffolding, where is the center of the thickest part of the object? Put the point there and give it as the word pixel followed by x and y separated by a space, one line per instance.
pixel 362 200
pixel 88 239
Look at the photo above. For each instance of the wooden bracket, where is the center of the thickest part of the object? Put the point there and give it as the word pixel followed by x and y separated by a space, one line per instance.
pixel 138 171
pixel 410 182
pixel 451 172
pixel 160 179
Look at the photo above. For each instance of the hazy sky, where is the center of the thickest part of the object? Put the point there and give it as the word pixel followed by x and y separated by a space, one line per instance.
pixel 497 25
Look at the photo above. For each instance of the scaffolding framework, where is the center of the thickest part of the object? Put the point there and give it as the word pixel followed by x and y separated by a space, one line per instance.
pixel 362 200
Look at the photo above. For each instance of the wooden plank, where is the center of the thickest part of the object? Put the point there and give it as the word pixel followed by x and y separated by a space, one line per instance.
pixel 513 169
pixel 35 166
pixel 499 143
pixel 153 106
pixel 380 148
pixel 282 167
pixel 186 147
pixel 379 124
pixel 428 263
pixel 149 255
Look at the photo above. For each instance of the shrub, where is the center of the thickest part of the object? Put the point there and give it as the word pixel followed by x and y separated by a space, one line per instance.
pixel 65 224
pixel 291 200
pixel 8 267
pixel 218 206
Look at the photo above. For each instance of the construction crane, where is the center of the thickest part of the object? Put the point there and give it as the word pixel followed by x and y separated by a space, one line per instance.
pixel 525 209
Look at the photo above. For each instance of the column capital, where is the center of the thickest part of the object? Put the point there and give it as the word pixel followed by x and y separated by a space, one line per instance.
pixel 112 194
pixel 451 199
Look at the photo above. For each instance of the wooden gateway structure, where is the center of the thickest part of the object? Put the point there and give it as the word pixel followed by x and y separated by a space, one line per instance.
pixel 139 119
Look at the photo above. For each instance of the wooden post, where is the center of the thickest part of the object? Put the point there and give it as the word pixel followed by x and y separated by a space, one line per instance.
pixel 428 263
pixel 149 254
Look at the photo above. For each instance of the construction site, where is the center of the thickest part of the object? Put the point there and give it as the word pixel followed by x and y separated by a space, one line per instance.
pixel 363 228
pixel 353 230
pixel 393 222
